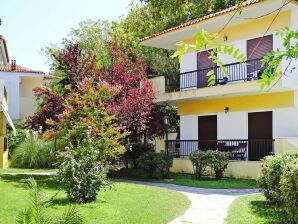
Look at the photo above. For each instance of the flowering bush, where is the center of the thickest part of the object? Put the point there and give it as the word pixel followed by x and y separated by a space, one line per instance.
pixel 81 171
pixel 89 129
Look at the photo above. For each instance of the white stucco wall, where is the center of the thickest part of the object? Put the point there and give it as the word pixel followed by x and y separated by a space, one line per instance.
pixel 228 59
pixel 12 85
pixel 189 127
pixel 234 125
pixel 188 63
pixel 20 96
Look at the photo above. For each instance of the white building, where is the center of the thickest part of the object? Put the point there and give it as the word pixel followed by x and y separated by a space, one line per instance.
pixel 19 82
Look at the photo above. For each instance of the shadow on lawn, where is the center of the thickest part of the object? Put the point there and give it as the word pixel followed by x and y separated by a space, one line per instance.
pixel 44 183
pixel 19 180
pixel 271 213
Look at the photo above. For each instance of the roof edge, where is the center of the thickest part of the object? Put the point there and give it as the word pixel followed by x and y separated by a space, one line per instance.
pixel 200 19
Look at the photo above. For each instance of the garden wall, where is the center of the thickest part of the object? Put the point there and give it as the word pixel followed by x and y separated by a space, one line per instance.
pixel 236 169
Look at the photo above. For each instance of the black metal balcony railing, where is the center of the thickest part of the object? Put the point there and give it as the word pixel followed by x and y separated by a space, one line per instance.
pixel 246 71
pixel 239 149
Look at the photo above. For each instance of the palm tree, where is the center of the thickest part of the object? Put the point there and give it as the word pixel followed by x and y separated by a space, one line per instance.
pixel 36 211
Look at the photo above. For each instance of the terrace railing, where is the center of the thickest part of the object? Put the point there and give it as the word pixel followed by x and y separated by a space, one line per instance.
pixel 239 149
pixel 238 72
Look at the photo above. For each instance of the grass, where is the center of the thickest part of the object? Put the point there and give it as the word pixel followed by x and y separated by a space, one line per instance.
pixel 20 170
pixel 123 203
pixel 188 180
pixel 253 209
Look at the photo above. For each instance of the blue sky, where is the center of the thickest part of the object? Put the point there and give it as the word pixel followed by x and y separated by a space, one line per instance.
pixel 29 25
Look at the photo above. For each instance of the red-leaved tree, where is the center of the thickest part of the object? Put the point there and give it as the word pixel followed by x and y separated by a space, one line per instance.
pixel 132 105
pixel 51 105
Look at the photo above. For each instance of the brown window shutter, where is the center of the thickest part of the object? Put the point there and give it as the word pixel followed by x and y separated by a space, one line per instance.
pixel 203 60
pixel 259 47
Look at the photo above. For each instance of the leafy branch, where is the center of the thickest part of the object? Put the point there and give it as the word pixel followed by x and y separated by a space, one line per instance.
pixel 272 61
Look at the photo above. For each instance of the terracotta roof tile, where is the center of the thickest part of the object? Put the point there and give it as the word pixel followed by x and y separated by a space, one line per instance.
pixel 19 68
pixel 192 22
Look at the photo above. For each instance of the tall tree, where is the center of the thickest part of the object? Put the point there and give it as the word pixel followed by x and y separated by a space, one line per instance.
pixel 132 105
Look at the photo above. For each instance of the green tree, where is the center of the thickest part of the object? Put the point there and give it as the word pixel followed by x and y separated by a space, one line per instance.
pixel 88 107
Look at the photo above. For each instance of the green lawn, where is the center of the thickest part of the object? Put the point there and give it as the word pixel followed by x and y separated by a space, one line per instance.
pixel 188 180
pixel 19 170
pixel 124 203
pixel 253 209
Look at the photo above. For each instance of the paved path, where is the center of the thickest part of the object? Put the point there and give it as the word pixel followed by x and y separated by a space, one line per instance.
pixel 208 206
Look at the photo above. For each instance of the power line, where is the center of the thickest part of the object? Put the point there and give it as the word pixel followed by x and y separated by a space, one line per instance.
pixel 270 25
pixel 264 15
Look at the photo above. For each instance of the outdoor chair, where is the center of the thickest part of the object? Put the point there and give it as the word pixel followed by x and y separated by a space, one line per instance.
pixel 221 146
pixel 240 150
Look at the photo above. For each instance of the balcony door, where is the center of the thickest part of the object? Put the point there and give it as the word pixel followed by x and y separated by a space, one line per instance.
pixel 259 134
pixel 256 49
pixel 203 65
pixel 207 132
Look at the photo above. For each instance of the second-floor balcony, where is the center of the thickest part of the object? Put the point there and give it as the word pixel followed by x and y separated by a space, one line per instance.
pixel 238 72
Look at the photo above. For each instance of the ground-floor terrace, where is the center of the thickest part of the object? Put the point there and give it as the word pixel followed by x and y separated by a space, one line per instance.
pixel 247 127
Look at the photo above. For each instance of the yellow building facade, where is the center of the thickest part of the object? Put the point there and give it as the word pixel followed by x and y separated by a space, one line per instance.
pixel 235 114
pixel 4 119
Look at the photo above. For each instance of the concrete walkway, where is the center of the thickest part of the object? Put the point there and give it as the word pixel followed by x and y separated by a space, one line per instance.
pixel 208 206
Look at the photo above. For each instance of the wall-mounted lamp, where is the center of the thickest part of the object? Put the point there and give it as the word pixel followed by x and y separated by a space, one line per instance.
pixel 166 119
pixel 227 110
pixel 225 38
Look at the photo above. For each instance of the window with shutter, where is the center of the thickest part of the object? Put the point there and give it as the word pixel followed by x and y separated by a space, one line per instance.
pixel 203 63
pixel 259 47
pixel 256 49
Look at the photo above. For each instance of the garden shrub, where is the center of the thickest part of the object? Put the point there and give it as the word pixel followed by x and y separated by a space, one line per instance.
pixel 289 189
pixel 200 161
pixel 15 138
pixel 149 162
pixel 134 152
pixel 272 169
pixel 81 171
pixel 164 164
pixel 33 153
pixel 152 162
pixel 219 162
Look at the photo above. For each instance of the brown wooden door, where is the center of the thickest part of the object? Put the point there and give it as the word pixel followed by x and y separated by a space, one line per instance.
pixel 257 48
pixel 259 134
pixel 207 132
pixel 203 63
